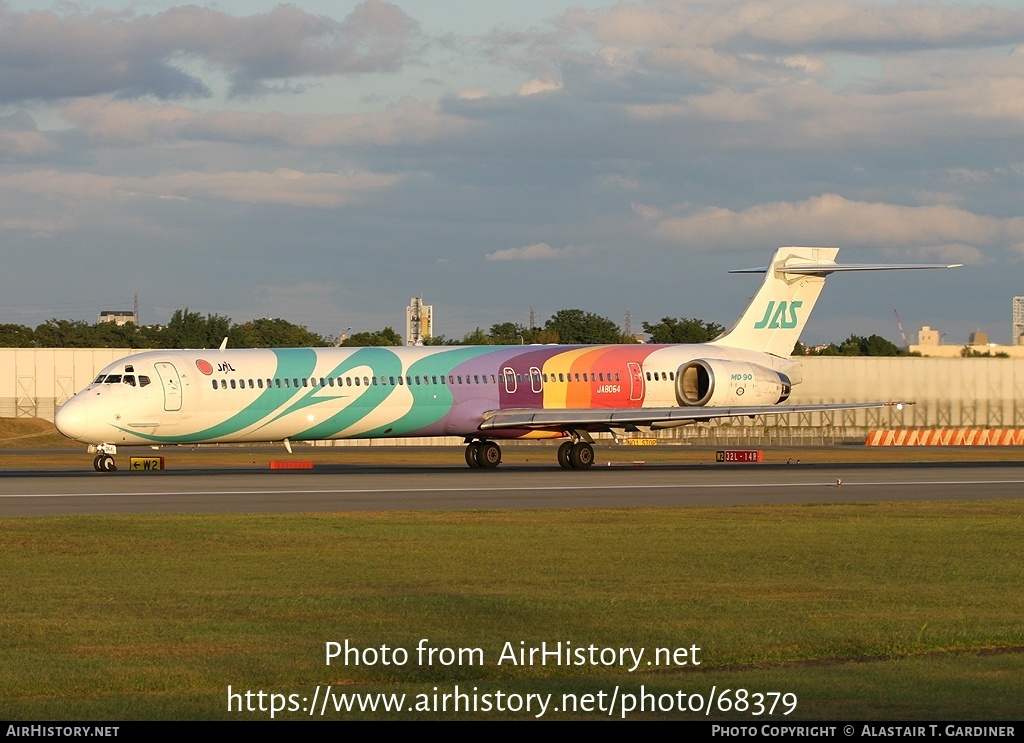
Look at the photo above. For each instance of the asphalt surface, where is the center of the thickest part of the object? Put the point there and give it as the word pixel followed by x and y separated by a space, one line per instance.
pixel 407 487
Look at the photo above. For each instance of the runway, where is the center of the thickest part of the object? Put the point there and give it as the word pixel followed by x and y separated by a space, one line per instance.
pixel 333 488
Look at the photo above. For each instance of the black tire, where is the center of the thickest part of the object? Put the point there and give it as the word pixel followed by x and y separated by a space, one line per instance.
pixel 97 463
pixel 564 461
pixel 582 455
pixel 107 463
pixel 489 455
pixel 473 455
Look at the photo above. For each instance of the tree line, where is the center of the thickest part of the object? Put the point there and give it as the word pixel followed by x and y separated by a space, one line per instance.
pixel 188 329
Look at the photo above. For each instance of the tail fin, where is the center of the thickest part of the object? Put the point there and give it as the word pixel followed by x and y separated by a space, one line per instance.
pixel 775 317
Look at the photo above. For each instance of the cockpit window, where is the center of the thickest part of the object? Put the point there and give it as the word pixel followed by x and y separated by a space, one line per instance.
pixel 112 379
pixel 143 380
pixel 129 379
pixel 100 378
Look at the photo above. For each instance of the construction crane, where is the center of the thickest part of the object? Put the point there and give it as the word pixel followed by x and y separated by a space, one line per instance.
pixel 906 344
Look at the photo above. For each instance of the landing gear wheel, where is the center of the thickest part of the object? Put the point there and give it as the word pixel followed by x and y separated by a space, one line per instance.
pixel 473 455
pixel 582 455
pixel 104 463
pixel 489 455
pixel 97 463
pixel 563 455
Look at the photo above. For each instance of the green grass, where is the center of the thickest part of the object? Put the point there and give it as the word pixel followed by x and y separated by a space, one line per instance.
pixel 154 616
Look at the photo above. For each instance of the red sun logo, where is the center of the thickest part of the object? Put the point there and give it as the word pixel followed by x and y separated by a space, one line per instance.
pixel 204 366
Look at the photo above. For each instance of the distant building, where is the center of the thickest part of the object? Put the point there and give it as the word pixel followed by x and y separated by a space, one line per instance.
pixel 118 317
pixel 928 337
pixel 419 322
pixel 929 343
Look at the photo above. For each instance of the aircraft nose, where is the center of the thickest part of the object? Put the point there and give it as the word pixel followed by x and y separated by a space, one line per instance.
pixel 72 419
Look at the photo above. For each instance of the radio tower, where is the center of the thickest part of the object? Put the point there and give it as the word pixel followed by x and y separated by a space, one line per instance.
pixel 533 317
pixel 628 327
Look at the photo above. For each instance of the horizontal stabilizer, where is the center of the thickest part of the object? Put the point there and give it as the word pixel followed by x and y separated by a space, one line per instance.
pixel 817 269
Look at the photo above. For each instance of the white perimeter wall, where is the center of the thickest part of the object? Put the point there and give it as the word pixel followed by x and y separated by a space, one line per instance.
pixel 35 381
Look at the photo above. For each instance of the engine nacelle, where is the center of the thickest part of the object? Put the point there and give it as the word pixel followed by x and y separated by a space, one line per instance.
pixel 717 383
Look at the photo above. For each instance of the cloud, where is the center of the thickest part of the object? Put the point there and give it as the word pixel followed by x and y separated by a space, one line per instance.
pixel 535 86
pixel 796 26
pixel 19 138
pixel 45 55
pixel 129 122
pixel 282 186
pixel 831 219
pixel 535 252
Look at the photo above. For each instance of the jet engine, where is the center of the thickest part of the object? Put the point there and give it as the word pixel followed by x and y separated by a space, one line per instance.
pixel 717 383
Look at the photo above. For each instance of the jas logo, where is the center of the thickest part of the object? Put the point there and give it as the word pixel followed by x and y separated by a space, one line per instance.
pixel 781 316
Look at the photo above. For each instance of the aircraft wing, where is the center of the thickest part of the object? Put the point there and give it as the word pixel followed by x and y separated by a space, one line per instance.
pixel 549 418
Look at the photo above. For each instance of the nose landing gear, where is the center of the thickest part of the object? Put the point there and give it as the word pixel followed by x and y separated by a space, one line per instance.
pixel 104 463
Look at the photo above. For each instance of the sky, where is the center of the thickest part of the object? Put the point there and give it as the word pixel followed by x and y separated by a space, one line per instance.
pixel 326 161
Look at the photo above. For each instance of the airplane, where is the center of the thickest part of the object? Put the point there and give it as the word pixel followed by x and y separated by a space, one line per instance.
pixel 484 394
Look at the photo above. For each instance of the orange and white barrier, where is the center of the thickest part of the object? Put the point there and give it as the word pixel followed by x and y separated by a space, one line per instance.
pixel 947 437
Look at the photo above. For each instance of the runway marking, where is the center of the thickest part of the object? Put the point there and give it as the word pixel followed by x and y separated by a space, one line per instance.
pixel 536 488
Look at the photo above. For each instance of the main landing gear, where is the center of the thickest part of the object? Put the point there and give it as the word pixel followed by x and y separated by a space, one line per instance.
pixel 578 455
pixel 572 455
pixel 483 454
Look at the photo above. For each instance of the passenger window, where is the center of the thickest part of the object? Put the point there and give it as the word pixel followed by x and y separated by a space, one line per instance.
pixel 357 381
pixel 232 384
pixel 215 384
